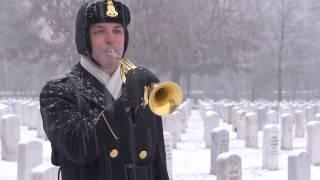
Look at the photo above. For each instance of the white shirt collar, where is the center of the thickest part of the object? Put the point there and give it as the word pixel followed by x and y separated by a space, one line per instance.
pixel 113 83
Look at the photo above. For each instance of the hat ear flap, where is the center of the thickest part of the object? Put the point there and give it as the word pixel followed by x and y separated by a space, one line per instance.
pixel 125 22
pixel 126 40
pixel 82 31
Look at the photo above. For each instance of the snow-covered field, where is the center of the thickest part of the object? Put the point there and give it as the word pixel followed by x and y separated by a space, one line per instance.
pixel 191 160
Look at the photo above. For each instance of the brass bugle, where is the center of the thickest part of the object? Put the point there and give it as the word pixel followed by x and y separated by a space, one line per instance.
pixel 163 98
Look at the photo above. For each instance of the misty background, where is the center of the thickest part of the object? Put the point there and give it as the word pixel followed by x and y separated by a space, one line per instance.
pixel 213 48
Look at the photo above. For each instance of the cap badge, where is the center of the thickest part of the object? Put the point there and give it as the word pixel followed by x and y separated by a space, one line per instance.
pixel 111 10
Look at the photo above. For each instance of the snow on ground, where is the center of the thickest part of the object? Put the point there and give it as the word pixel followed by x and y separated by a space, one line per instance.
pixel 191 160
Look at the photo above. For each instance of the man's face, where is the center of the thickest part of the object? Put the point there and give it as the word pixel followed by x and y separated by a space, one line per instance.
pixel 107 44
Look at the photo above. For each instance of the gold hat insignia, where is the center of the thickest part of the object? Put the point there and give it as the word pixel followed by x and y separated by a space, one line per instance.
pixel 111 10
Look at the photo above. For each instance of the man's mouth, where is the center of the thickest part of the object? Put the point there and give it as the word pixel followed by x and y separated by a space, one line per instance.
pixel 111 52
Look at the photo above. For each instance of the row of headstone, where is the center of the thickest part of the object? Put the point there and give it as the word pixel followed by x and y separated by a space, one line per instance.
pixel 311 109
pixel 28 154
pixel 174 125
pixel 176 122
pixel 29 111
pixel 269 117
pixel 275 136
pixel 228 165
pixel 10 134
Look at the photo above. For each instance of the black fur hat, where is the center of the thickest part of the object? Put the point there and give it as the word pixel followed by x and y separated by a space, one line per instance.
pixel 96 12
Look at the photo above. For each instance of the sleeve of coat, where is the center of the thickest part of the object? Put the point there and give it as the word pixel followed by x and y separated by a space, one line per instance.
pixel 80 139
pixel 161 172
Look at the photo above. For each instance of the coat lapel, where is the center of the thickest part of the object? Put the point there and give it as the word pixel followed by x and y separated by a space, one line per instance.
pixel 89 87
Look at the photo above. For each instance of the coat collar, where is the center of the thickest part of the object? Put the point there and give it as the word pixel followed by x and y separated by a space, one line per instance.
pixel 112 83
pixel 89 87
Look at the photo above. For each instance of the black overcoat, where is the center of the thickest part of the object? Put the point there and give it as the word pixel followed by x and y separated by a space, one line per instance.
pixel 86 146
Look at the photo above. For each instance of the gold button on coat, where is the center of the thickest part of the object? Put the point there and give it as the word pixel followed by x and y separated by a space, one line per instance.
pixel 114 153
pixel 143 154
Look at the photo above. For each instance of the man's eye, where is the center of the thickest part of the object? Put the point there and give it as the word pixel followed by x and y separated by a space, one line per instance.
pixel 98 32
pixel 117 31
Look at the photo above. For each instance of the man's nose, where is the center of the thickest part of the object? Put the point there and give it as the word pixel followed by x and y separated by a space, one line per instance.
pixel 109 38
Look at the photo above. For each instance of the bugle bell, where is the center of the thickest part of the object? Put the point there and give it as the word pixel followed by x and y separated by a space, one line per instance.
pixel 163 98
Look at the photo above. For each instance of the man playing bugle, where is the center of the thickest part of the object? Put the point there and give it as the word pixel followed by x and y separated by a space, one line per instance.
pixel 96 124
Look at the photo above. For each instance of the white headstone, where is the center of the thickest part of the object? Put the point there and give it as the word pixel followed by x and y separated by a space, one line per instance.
pixel 284 109
pixel 229 167
pixel 272 117
pixel 4 109
pixel 317 117
pixel 29 156
pixel 300 123
pixel 219 144
pixel 313 142
pixel 185 109
pixel 241 124
pixel 262 116
pixel 226 113
pixel 299 166
pixel 33 120
pixel 168 146
pixel 25 113
pixel 201 108
pixel 172 124
pixel 310 114
pixel 19 108
pixel 234 117
pixel 230 106
pixel 45 171
pixel 10 136
pixel 211 121
pixel 287 131
pixel 251 132
pixel 270 149
pixel 40 130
